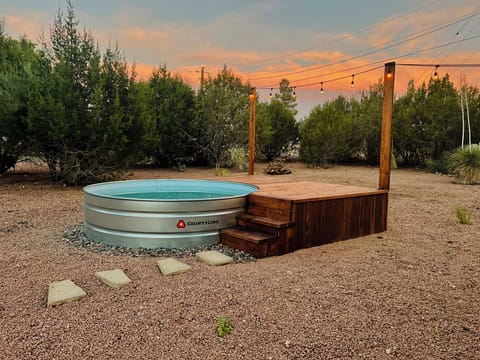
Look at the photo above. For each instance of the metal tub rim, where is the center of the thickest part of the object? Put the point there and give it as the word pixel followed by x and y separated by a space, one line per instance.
pixel 131 213
pixel 248 188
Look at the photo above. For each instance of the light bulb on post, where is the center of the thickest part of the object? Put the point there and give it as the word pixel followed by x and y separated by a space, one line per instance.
pixel 435 74
pixel 251 96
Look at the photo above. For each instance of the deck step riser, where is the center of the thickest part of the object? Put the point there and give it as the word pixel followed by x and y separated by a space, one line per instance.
pixel 242 224
pixel 283 238
pixel 277 224
pixel 255 248
pixel 277 209
pixel 275 242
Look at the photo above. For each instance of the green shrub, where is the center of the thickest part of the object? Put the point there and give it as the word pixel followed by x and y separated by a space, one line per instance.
pixel 221 171
pixel 463 215
pixel 464 163
pixel 441 165
pixel 224 326
pixel 237 158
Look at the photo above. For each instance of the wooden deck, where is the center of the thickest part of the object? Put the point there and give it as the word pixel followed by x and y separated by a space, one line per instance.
pixel 286 216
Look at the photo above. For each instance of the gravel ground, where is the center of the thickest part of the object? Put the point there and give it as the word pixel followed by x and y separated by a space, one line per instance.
pixel 412 292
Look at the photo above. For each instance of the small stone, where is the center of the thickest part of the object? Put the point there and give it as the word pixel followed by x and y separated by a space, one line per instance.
pixel 388 351
pixel 60 292
pixel 214 258
pixel 172 266
pixel 114 278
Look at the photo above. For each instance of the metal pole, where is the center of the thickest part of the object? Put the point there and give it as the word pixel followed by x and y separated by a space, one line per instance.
pixel 386 136
pixel 251 131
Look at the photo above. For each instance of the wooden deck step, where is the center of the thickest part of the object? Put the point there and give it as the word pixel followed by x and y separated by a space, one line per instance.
pixel 256 243
pixel 270 207
pixel 268 222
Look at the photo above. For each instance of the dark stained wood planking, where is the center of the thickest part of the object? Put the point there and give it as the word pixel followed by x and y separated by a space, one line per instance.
pixel 297 215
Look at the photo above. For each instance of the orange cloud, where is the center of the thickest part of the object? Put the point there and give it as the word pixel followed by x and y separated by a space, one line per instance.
pixel 424 28
pixel 29 26
pixel 137 34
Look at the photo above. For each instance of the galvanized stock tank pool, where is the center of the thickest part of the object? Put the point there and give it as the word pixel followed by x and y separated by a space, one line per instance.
pixel 162 213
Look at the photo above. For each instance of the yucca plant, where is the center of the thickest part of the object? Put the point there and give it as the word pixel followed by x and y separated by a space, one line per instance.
pixel 465 164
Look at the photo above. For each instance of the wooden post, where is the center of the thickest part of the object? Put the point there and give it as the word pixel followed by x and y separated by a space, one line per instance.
pixel 251 131
pixel 202 78
pixel 386 136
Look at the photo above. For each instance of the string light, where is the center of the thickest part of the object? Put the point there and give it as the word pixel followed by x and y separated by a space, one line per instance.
pixel 390 74
pixel 435 74
pixel 271 91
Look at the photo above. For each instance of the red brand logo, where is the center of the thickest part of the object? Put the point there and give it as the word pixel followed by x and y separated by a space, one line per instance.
pixel 181 224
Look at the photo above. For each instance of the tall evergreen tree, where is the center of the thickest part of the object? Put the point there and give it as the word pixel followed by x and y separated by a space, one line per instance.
pixel 442 116
pixel 328 133
pixel 287 95
pixel 368 117
pixel 16 78
pixel 80 118
pixel 223 116
pixel 276 130
pixel 410 139
pixel 172 105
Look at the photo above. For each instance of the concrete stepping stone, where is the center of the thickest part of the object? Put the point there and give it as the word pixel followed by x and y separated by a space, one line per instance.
pixel 64 291
pixel 214 258
pixel 114 278
pixel 171 266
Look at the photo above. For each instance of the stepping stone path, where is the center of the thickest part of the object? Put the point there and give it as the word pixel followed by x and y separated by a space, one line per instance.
pixel 60 292
pixel 171 266
pixel 214 258
pixel 113 278
pixel 64 291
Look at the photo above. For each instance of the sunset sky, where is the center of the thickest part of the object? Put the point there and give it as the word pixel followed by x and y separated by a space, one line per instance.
pixel 306 41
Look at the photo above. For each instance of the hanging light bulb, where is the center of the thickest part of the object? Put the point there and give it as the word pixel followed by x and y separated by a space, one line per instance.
pixel 271 91
pixel 321 87
pixel 352 84
pixel 435 74
pixel 389 74
pixel 294 95
pixel 251 96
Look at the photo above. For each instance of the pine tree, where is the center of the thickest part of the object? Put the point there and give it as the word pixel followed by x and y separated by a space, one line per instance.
pixel 223 116
pixel 287 95
pixel 16 78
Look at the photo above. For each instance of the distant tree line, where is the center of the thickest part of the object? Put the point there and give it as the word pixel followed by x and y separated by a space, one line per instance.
pixel 88 117
pixel 427 126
